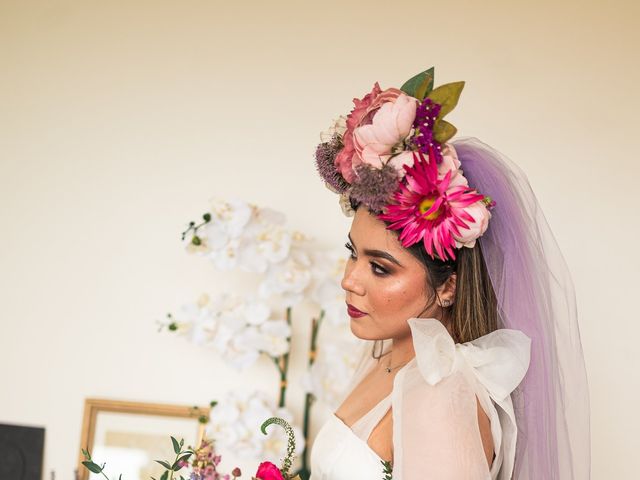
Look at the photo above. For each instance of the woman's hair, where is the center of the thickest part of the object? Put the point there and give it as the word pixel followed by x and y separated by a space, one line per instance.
pixel 474 311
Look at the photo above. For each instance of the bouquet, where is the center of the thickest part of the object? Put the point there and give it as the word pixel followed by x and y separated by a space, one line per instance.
pixel 202 463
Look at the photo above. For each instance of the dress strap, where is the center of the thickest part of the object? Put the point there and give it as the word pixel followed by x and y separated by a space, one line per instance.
pixel 365 425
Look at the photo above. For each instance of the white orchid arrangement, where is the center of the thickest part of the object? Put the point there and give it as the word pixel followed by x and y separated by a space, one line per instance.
pixel 288 270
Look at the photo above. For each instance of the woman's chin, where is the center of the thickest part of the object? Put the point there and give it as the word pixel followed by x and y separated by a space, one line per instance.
pixel 359 328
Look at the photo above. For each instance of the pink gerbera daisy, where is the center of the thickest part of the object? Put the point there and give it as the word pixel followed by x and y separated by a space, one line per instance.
pixel 429 209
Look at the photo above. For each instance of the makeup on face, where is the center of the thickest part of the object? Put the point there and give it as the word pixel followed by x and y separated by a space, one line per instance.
pixel 384 283
pixel 354 312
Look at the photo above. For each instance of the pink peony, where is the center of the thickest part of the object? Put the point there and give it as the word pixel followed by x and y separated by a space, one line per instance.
pixel 374 143
pixel 268 471
pixel 362 114
pixel 481 216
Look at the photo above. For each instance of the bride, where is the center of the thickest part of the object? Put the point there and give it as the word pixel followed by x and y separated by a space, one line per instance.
pixel 473 368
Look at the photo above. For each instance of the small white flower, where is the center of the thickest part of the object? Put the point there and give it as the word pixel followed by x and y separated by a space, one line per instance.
pixel 345 205
pixel 289 278
pixel 226 257
pixel 233 215
pixel 197 321
pixel 338 127
pixel 326 291
pixel 274 337
pixel 329 376
pixel 236 422
pixel 240 330
pixel 255 312
pixel 265 244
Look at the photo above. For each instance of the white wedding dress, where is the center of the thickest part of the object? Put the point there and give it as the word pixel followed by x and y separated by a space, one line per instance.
pixel 434 408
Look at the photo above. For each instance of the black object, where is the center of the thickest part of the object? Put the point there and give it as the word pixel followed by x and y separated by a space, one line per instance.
pixel 21 452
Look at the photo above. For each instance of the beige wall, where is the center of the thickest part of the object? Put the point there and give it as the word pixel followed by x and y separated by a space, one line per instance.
pixel 118 121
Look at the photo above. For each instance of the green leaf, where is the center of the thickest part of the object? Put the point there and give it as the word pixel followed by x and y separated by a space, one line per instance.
pixel 165 475
pixel 421 83
pixel 443 131
pixel 164 464
pixel 447 96
pixel 424 88
pixel 95 468
pixel 176 445
pixel 176 465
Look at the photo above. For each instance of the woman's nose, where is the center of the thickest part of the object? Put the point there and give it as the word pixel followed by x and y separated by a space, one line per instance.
pixel 351 281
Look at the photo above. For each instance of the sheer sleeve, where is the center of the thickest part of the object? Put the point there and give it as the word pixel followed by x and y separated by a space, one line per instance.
pixel 435 420
pixel 438 435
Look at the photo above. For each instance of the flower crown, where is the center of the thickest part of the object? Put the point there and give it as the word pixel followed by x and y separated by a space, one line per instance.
pixel 391 155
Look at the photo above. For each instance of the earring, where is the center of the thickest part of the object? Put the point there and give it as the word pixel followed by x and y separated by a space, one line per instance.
pixel 446 303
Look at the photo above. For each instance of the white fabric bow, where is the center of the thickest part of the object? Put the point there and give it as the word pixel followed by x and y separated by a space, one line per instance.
pixel 499 360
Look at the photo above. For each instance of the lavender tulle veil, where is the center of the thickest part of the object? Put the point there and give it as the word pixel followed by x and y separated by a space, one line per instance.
pixel 535 295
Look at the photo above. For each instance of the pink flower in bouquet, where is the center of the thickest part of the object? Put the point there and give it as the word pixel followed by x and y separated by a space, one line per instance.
pixel 268 471
pixel 429 209
pixel 362 114
pixel 376 142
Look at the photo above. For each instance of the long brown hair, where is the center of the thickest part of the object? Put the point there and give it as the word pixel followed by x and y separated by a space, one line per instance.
pixel 474 311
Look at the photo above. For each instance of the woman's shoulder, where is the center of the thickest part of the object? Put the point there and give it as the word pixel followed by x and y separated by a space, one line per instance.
pixel 459 394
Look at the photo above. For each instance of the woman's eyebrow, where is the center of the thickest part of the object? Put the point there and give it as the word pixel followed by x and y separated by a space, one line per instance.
pixel 377 253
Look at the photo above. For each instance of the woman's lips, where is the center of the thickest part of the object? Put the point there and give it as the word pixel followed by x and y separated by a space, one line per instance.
pixel 354 312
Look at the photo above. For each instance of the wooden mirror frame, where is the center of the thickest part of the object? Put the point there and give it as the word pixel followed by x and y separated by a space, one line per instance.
pixel 93 406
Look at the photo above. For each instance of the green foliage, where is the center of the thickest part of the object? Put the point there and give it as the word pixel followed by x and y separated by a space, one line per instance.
pixel 291 441
pixel 170 468
pixel 446 96
pixel 164 464
pixel 206 218
pixel 95 468
pixel 420 85
pixel 176 445
pixel 443 131
pixel 387 470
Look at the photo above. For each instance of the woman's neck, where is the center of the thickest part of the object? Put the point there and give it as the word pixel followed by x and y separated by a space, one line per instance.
pixel 402 350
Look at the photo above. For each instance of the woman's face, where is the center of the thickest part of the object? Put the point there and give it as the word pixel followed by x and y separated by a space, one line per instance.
pixel 382 280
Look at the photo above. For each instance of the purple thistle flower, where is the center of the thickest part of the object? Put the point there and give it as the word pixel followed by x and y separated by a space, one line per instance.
pixel 374 187
pixel 325 164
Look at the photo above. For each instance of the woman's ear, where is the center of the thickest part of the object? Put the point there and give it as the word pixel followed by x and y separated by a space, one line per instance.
pixel 447 291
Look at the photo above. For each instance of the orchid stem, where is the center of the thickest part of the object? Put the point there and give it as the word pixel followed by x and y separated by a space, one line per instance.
pixel 283 366
pixel 304 471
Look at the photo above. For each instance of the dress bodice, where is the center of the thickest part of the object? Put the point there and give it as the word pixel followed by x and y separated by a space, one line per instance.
pixel 434 407
pixel 339 454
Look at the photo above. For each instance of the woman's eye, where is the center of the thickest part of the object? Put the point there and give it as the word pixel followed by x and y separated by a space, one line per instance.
pixel 378 270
